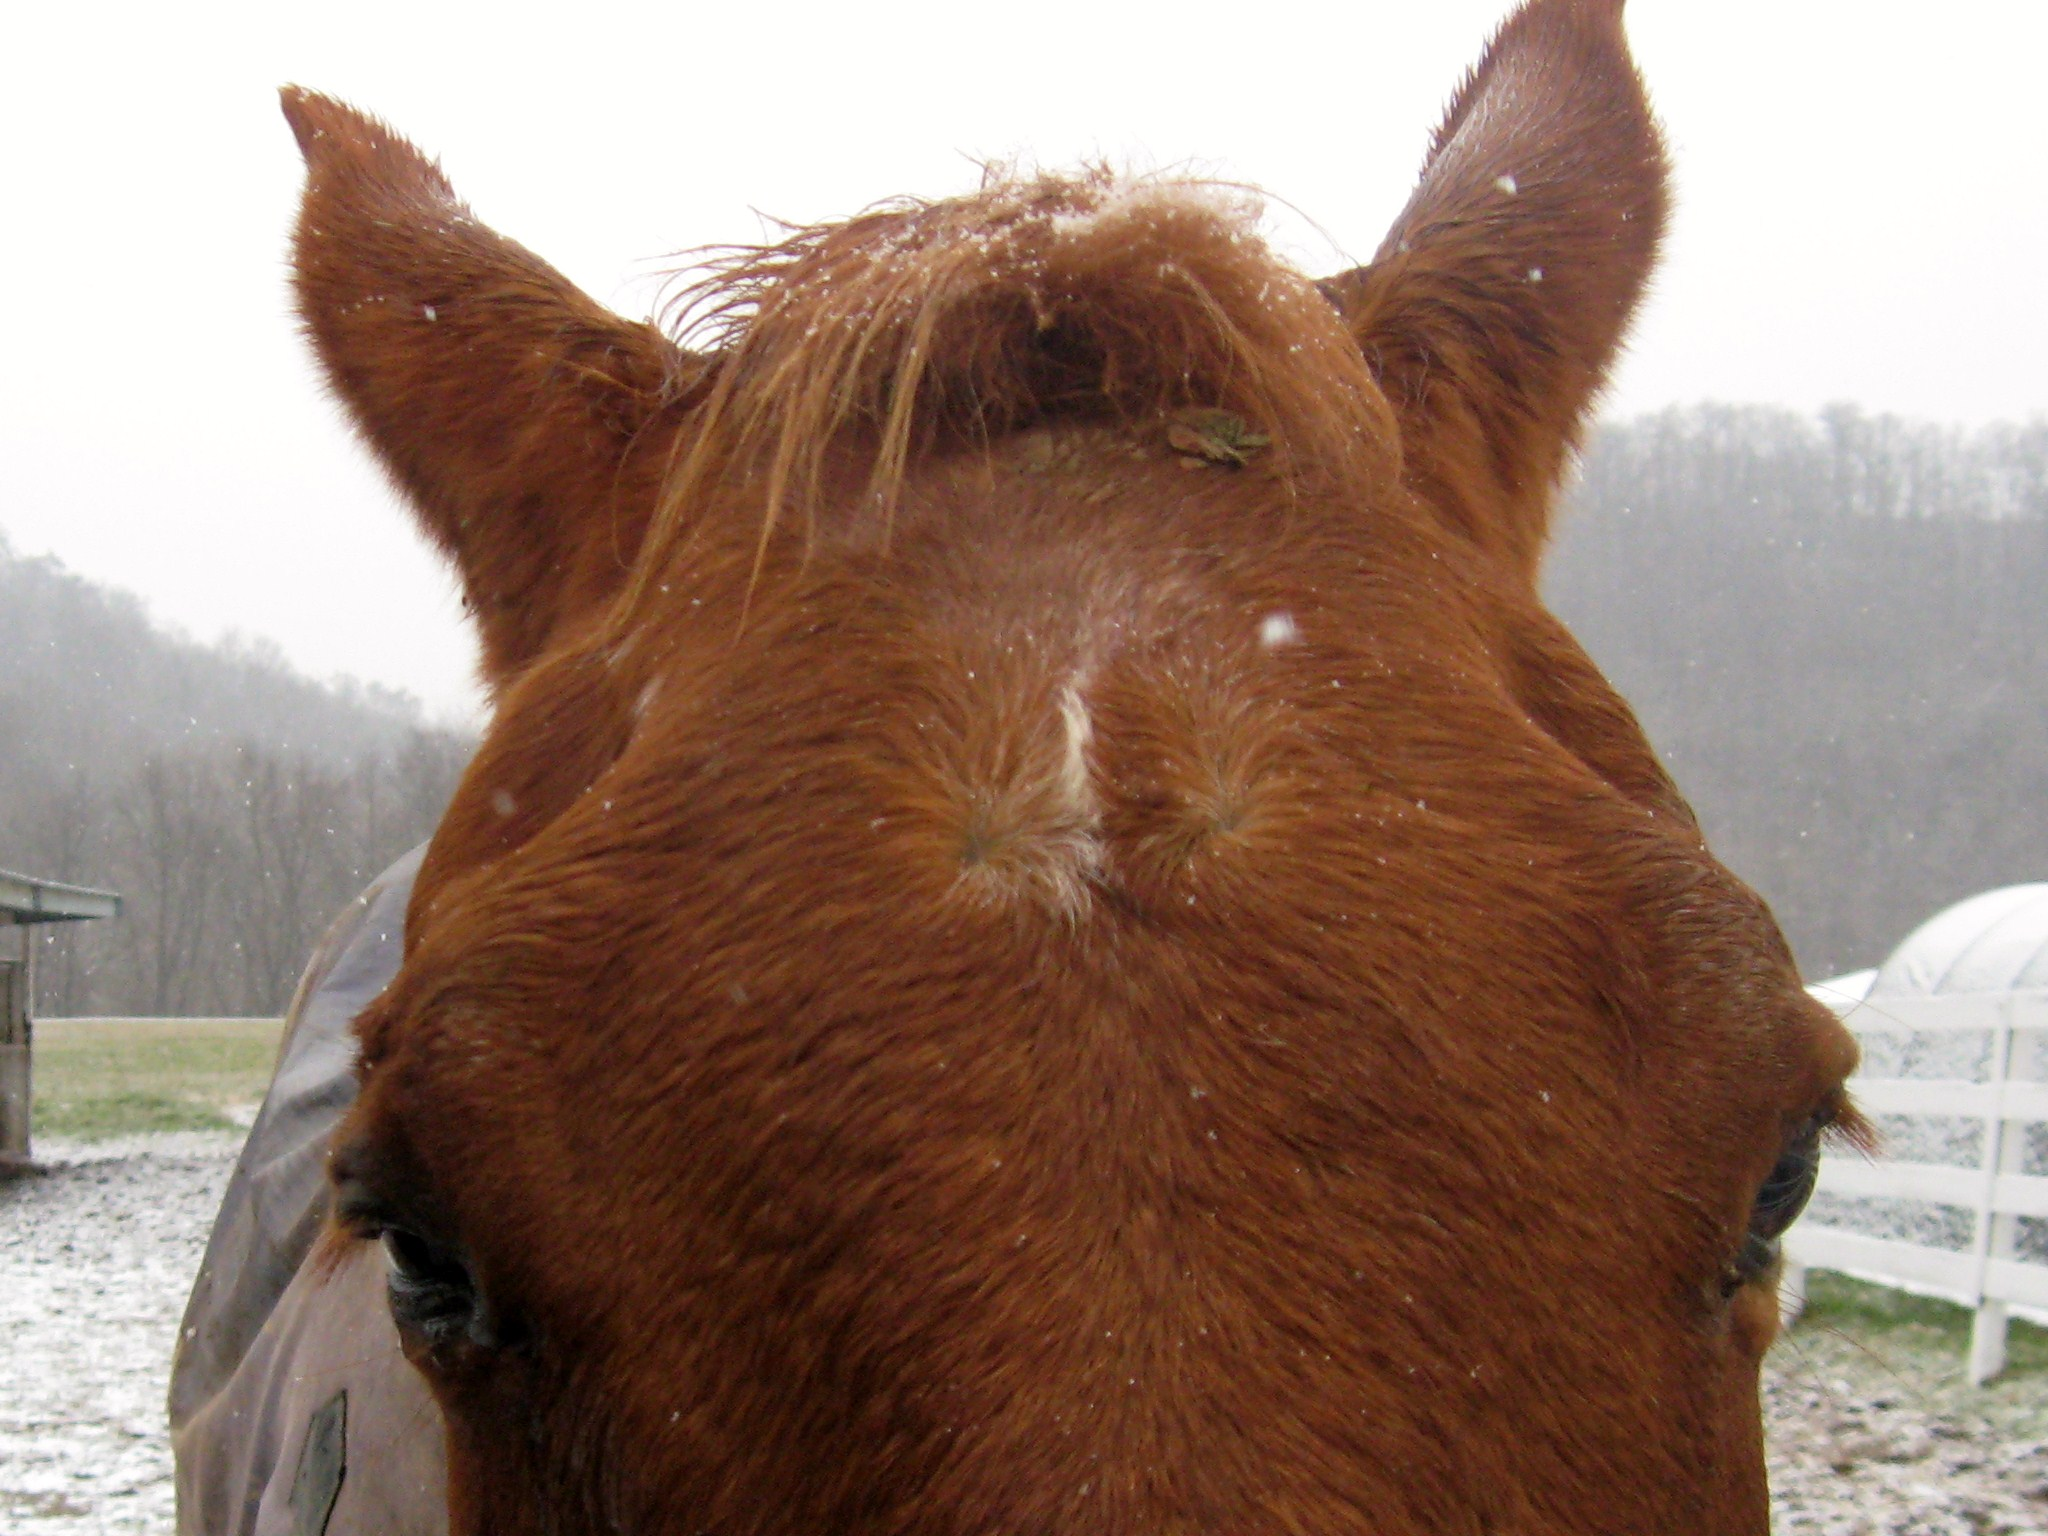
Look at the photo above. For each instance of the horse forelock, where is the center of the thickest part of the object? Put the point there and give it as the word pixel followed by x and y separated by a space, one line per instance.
pixel 918 326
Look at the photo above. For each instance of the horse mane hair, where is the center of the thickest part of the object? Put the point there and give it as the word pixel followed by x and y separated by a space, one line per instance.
pixel 919 325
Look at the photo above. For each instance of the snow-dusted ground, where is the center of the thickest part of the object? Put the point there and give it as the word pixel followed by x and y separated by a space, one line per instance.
pixel 1875 1438
pixel 96 1257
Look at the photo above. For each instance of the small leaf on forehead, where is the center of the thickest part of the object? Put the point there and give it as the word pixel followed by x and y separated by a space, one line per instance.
pixel 1214 436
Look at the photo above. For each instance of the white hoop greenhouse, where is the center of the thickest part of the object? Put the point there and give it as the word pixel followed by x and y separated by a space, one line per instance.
pixel 1954 1029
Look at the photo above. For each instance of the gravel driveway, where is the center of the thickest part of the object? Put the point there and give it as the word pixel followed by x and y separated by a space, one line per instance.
pixel 96 1256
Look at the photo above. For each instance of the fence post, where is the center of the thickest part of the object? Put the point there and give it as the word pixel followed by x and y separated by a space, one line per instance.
pixel 1997 1232
pixel 1791 1291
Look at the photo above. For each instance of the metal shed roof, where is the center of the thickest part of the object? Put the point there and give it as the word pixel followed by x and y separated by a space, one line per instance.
pixel 24 899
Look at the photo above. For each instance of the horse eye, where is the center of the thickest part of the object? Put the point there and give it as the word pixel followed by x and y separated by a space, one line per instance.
pixel 431 1291
pixel 1778 1203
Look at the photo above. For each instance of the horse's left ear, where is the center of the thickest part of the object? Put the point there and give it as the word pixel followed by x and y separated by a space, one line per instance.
pixel 527 424
pixel 1498 301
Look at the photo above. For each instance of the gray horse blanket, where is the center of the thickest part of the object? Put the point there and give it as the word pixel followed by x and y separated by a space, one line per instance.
pixel 293 1412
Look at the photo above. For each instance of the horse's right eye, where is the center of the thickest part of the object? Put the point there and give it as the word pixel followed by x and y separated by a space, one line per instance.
pixel 1778 1203
pixel 1789 1187
pixel 432 1292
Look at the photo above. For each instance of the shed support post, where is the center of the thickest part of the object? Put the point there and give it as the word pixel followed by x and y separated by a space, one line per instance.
pixel 15 1081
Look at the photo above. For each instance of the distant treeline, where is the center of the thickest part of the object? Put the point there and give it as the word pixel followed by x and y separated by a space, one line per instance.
pixel 1836 632
pixel 234 804
pixel 1834 629
pixel 1710 460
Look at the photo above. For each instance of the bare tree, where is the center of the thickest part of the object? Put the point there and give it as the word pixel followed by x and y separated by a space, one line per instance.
pixel 172 861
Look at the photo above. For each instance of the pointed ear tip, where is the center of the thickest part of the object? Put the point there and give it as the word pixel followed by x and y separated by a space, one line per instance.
pixel 310 114
pixel 331 133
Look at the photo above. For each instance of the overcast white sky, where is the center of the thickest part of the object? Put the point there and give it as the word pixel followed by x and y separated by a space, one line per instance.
pixel 1863 212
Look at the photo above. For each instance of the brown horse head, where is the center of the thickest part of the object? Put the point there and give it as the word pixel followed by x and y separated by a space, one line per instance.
pixel 1046 935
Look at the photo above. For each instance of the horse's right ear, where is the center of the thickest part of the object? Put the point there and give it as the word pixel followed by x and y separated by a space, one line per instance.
pixel 527 424
pixel 1498 301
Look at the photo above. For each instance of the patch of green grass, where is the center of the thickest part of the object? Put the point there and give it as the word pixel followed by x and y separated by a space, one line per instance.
pixel 101 1078
pixel 124 1114
pixel 1865 1312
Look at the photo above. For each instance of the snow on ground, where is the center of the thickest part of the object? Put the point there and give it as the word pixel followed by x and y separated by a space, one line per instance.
pixel 96 1257
pixel 1878 1437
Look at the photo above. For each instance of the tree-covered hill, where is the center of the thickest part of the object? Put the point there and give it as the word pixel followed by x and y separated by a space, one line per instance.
pixel 1836 632
pixel 235 804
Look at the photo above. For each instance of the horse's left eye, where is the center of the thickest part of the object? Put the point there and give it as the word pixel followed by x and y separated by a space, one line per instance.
pixel 1778 1204
pixel 431 1290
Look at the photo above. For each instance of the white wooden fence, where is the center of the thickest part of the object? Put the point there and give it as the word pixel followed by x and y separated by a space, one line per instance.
pixel 2006 1096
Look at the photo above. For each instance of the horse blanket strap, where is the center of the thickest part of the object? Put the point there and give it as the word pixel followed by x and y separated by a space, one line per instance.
pixel 292 1409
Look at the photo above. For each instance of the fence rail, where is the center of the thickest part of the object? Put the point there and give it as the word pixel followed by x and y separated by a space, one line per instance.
pixel 1993 1275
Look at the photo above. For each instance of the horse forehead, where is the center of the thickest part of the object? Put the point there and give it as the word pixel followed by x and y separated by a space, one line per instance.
pixel 1060 649
pixel 1101 551
pixel 1112 682
pixel 1071 737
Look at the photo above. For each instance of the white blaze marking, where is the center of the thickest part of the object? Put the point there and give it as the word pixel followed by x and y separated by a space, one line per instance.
pixel 1080 731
